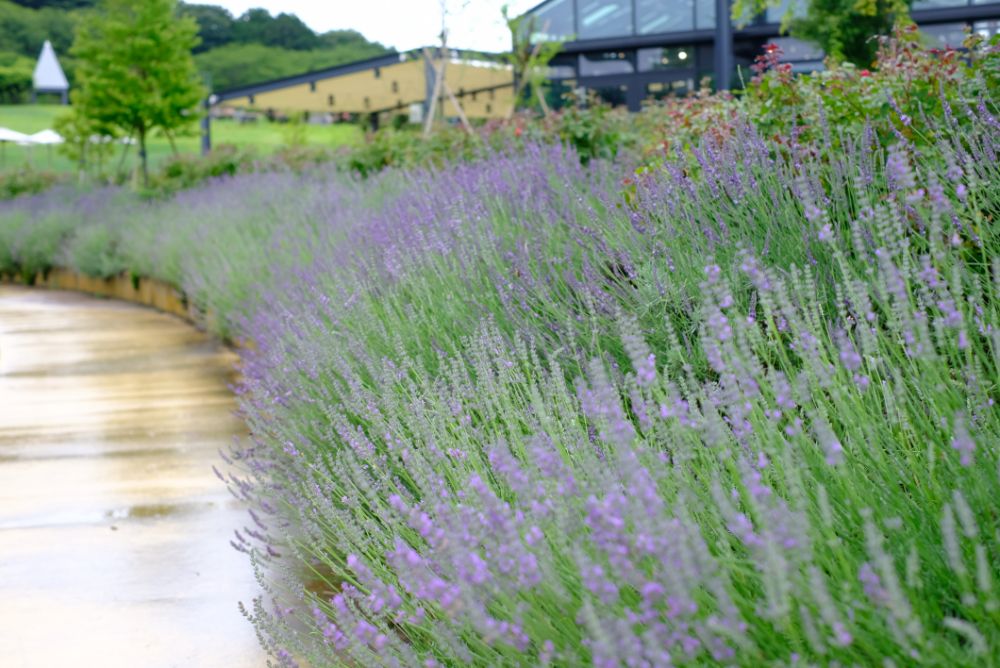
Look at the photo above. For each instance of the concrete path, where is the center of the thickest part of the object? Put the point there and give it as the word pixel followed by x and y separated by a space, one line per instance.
pixel 114 532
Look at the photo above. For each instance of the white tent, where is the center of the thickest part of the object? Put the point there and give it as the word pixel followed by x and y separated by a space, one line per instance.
pixel 44 137
pixel 49 76
pixel 6 134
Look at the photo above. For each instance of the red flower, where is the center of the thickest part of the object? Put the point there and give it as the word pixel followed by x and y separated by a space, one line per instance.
pixel 865 73
pixel 518 131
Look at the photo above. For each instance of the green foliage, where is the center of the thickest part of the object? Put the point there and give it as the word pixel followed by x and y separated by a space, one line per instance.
pixel 86 141
pixel 336 39
pixel 15 76
pixel 907 85
pixel 232 51
pixel 391 147
pixel 258 47
pixel 592 128
pixel 32 241
pixel 136 71
pixel 215 25
pixel 24 31
pixel 529 61
pixel 55 4
pixel 185 171
pixel 286 31
pixel 25 182
pixel 188 171
pixel 591 131
pixel 845 29
pixel 293 135
pixel 93 250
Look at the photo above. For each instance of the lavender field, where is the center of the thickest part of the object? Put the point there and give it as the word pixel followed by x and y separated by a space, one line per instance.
pixel 734 407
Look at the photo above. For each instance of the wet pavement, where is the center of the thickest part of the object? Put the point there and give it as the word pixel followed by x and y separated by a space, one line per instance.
pixel 114 532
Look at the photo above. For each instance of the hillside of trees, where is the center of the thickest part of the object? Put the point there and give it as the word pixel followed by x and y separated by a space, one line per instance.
pixel 234 50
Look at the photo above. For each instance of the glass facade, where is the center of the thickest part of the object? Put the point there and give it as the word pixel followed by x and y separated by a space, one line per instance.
pixel 935 4
pixel 572 20
pixel 555 21
pixel 656 16
pixel 945 35
pixel 604 18
pixel 704 14
pixel 670 58
pixel 557 71
pixel 605 63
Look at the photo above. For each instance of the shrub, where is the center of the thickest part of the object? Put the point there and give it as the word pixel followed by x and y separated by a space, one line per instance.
pixel 505 413
pixel 26 182
pixel 186 171
pixel 515 424
pixel 93 250
pixel 907 92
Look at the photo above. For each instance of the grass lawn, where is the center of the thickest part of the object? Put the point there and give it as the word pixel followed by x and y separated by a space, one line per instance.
pixel 263 135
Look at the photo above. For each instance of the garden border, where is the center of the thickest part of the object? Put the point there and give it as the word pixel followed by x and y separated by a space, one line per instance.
pixel 150 292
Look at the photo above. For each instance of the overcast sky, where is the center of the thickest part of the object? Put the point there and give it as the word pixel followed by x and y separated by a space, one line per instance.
pixel 402 24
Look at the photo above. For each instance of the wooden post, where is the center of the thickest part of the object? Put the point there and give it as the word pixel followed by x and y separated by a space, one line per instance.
pixel 206 128
pixel 438 83
pixel 458 108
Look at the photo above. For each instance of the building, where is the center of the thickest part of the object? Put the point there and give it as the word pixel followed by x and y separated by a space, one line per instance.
pixel 482 84
pixel 628 51
pixel 48 76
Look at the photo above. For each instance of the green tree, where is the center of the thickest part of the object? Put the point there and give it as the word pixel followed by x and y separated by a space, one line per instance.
pixel 56 4
pixel 85 142
pixel 24 30
pixel 15 76
pixel 215 25
pixel 284 30
pixel 846 29
pixel 346 39
pixel 529 60
pixel 135 70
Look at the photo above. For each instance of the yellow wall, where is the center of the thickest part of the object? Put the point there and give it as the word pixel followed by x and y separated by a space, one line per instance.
pixel 397 85
pixel 484 104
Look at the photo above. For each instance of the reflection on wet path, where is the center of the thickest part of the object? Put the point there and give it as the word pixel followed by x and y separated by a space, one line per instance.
pixel 113 530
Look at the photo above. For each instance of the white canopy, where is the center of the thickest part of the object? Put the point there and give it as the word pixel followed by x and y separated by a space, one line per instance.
pixel 49 75
pixel 6 134
pixel 44 137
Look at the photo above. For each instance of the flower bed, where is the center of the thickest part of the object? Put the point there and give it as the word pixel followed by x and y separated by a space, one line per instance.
pixel 738 410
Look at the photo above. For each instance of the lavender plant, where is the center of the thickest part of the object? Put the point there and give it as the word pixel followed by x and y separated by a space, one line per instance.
pixel 740 411
pixel 540 425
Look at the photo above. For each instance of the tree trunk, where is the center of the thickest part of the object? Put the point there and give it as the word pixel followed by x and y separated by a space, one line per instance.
pixel 173 146
pixel 142 157
pixel 438 81
pixel 120 168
